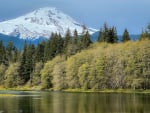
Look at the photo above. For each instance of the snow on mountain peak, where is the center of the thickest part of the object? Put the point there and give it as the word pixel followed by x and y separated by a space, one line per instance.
pixel 41 23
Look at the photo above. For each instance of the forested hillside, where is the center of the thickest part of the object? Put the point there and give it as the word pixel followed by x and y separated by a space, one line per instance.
pixel 103 66
pixel 73 62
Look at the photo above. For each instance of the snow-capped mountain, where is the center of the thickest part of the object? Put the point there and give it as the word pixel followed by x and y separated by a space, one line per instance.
pixel 41 23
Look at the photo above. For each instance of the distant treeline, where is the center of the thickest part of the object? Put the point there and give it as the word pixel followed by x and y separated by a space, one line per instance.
pixel 74 62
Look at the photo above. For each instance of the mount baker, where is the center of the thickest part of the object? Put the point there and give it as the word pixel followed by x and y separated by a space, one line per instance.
pixel 41 23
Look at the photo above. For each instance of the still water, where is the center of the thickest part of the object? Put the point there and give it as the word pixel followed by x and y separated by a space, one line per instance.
pixel 60 102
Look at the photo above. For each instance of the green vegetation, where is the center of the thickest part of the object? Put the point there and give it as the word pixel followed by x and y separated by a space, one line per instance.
pixel 125 36
pixel 73 63
pixel 108 35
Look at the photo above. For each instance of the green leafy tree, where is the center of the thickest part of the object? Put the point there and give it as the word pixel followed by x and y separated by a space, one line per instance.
pixel 83 74
pixel 47 72
pixel 58 80
pixel 11 75
pixel 2 73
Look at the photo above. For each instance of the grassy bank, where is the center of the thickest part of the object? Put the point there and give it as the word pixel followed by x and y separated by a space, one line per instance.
pixel 22 88
pixel 109 91
pixel 38 88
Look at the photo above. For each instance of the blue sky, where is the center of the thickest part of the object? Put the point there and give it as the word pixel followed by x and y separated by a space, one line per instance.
pixel 131 14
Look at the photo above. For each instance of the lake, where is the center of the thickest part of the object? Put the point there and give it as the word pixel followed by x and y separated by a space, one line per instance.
pixel 61 102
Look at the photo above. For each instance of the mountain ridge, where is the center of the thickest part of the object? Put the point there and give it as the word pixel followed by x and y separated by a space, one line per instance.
pixel 41 23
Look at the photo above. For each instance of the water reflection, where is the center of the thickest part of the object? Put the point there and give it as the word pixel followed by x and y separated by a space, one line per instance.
pixel 59 102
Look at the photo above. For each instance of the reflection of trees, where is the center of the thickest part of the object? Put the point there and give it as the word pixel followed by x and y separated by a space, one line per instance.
pixel 59 102
pixel 7 104
pixel 46 102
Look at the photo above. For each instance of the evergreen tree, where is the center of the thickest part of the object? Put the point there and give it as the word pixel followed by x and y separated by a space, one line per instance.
pixel 2 52
pixel 75 37
pixel 114 35
pixel 75 42
pixel 125 36
pixel 46 50
pixel 107 34
pixel 148 30
pixel 11 53
pixel 15 55
pixel 27 62
pixel 60 43
pixel 39 52
pixel 53 46
pixel 30 62
pixel 100 36
pixel 36 76
pixel 85 39
pixel 67 42
pixel 9 49
pixel 22 66
pixel 50 48
pixel 144 35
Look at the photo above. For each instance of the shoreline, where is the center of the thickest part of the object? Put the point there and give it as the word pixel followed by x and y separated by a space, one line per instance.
pixel 108 91
pixel 77 90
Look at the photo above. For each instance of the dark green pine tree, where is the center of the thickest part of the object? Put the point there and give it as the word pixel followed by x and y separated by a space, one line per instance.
pixel 104 34
pixel 15 54
pixel 145 33
pixel 67 42
pixel 30 62
pixel 39 52
pixel 86 41
pixel 60 43
pixel 9 51
pixel 115 36
pixel 148 30
pixel 75 42
pixel 53 46
pixel 2 52
pixel 126 36
pixel 108 35
pixel 27 63
pixel 48 49
pixel 100 36
pixel 75 37
pixel 112 38
pixel 22 66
